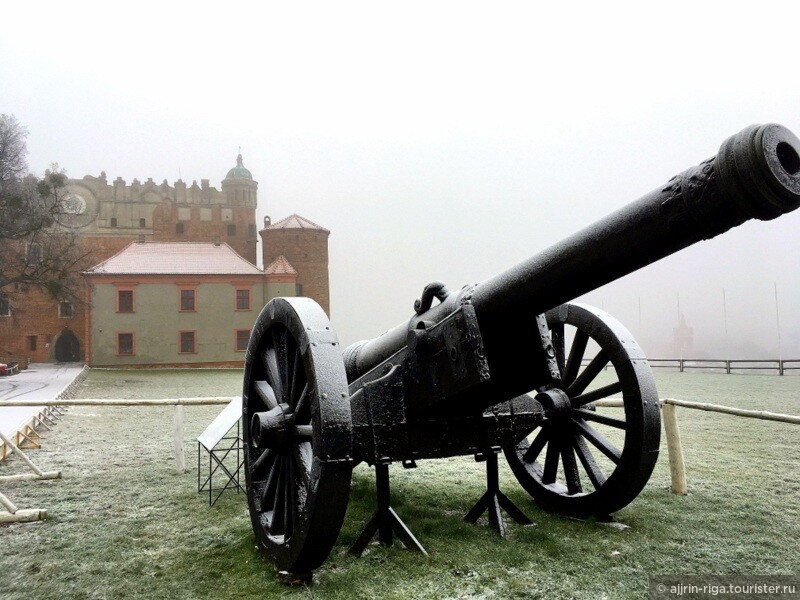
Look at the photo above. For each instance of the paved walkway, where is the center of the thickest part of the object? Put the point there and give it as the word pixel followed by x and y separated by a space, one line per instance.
pixel 40 381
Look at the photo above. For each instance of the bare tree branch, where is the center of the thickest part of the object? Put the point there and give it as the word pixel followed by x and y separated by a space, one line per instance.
pixel 38 233
pixel 13 150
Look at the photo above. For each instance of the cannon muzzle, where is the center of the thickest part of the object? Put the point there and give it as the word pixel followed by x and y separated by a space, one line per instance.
pixel 759 171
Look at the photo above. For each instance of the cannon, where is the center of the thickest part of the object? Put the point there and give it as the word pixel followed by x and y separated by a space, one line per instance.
pixel 508 364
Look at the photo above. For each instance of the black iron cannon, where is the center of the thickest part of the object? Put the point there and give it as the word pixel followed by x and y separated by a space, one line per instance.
pixel 503 364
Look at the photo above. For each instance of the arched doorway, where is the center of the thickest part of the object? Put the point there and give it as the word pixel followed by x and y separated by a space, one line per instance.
pixel 68 348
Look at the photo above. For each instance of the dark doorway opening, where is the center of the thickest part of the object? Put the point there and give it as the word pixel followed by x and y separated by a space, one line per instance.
pixel 68 348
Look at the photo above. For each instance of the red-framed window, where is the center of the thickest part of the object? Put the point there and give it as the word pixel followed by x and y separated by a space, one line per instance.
pixel 242 298
pixel 66 309
pixel 187 342
pixel 126 344
pixel 241 340
pixel 188 299
pixel 126 300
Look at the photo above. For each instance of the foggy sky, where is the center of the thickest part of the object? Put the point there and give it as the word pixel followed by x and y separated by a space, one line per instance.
pixel 436 141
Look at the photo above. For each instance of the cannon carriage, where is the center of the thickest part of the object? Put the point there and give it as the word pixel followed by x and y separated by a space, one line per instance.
pixel 508 364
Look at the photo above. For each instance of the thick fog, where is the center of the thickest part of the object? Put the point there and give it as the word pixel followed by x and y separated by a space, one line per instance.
pixel 436 140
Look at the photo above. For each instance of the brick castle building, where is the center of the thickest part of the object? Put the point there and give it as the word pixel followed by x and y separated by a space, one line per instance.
pixel 113 215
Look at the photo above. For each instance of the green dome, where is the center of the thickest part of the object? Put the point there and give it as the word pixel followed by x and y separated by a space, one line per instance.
pixel 239 172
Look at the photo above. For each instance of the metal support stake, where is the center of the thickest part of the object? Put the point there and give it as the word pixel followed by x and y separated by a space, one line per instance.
pixel 384 504
pixel 493 500
pixel 384 520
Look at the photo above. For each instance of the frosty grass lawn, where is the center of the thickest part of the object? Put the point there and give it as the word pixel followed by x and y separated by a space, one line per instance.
pixel 123 524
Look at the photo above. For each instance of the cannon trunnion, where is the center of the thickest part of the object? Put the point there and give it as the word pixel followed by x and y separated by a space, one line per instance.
pixel 505 364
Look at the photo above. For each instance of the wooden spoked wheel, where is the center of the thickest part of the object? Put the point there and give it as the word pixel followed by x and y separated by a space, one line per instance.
pixel 297 434
pixel 584 460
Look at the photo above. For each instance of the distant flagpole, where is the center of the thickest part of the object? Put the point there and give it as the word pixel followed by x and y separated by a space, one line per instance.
pixel 725 319
pixel 778 321
pixel 640 315
pixel 678 330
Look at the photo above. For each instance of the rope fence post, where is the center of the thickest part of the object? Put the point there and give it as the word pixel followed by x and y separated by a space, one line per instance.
pixel 177 439
pixel 677 467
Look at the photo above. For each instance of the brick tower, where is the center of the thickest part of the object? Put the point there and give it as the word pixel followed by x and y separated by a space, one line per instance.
pixel 305 245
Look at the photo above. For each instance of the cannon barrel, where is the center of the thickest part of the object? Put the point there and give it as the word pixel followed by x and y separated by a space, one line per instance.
pixel 755 174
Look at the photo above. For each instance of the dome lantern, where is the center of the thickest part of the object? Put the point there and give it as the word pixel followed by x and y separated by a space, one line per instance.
pixel 239 171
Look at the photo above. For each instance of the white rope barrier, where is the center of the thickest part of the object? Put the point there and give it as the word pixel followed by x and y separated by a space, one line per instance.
pixel 674 447
pixel 115 402
pixel 669 411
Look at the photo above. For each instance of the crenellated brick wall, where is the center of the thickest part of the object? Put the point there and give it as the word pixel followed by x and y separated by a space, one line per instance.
pixel 175 223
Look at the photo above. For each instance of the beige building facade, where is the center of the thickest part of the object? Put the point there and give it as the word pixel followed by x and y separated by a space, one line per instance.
pixel 177 304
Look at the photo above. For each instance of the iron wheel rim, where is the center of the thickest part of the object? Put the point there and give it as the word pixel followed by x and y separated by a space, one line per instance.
pixel 569 465
pixel 297 487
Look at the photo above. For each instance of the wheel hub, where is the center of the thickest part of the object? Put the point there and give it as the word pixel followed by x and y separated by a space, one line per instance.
pixel 556 403
pixel 273 428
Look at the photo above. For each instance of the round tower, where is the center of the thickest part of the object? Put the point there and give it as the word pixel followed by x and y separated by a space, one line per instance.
pixel 304 245
pixel 239 187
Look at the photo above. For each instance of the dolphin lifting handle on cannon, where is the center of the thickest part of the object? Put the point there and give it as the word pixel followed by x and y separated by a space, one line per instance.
pixel 501 364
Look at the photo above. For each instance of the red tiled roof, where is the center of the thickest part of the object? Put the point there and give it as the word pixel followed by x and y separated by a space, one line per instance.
pixel 295 222
pixel 280 266
pixel 175 258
